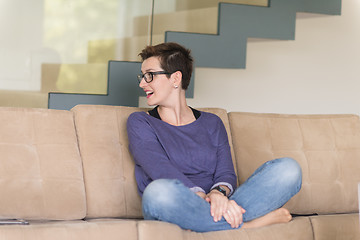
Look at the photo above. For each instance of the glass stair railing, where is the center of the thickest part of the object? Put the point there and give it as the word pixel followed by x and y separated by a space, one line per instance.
pixel 67 44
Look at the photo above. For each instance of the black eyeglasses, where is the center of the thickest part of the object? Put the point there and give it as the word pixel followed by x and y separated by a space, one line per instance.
pixel 149 76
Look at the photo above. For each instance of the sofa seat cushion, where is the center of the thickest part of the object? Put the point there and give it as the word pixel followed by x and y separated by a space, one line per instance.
pixel 149 230
pixel 326 146
pixel 337 226
pixel 41 173
pixel 298 229
pixel 71 230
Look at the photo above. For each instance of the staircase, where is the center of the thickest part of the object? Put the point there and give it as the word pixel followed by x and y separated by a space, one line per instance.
pixel 237 23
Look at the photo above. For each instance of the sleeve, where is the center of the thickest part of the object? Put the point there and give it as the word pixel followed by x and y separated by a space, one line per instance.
pixel 224 173
pixel 149 154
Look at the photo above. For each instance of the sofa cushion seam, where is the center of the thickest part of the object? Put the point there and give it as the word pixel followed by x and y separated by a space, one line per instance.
pixel 312 228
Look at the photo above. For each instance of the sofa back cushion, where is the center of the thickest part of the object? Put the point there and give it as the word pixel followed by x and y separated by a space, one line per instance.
pixel 110 185
pixel 326 146
pixel 41 173
pixel 111 189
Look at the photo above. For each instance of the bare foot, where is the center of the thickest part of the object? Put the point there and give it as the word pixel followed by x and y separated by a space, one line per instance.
pixel 281 215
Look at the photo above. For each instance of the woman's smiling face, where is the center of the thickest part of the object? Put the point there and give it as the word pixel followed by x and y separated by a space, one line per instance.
pixel 158 90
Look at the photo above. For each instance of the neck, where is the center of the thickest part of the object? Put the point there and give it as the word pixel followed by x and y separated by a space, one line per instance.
pixel 178 113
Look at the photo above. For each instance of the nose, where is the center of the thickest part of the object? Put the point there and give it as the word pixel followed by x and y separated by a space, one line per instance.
pixel 142 83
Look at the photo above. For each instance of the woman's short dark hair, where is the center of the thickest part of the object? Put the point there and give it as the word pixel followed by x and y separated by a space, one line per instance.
pixel 173 57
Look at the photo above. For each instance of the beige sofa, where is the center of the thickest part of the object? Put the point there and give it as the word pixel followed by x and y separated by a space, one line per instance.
pixel 71 176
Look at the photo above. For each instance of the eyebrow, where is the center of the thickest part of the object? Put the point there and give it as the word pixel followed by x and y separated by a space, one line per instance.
pixel 150 70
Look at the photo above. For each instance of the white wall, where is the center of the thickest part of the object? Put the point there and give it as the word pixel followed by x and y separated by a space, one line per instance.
pixel 319 72
pixel 21 31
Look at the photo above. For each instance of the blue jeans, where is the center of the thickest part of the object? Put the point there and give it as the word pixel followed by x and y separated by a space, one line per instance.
pixel 268 189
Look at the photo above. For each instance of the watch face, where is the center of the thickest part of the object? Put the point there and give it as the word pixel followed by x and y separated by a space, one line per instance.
pixel 220 189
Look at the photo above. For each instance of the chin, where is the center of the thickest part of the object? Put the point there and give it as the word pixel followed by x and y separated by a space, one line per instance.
pixel 151 103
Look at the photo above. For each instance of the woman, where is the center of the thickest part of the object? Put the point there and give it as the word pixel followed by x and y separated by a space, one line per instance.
pixel 183 162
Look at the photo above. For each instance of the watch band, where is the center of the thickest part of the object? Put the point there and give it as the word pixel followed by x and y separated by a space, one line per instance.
pixel 220 189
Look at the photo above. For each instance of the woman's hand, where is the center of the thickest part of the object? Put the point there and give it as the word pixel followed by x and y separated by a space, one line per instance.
pixel 201 194
pixel 218 204
pixel 221 206
pixel 234 214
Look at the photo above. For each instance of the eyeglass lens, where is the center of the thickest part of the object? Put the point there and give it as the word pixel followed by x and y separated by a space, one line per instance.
pixel 148 77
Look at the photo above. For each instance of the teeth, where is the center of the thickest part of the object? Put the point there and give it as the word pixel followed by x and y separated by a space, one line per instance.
pixel 148 92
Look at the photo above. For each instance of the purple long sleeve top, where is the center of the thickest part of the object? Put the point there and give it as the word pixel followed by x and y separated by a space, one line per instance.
pixel 198 154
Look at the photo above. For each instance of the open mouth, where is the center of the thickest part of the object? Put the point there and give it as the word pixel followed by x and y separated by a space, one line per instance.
pixel 149 93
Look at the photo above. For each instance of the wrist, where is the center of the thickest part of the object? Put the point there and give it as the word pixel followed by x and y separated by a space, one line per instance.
pixel 201 194
pixel 215 192
pixel 219 189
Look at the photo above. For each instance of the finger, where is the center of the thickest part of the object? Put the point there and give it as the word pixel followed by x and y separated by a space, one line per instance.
pixel 218 212
pixel 229 219
pixel 223 206
pixel 237 212
pixel 236 216
pixel 220 209
pixel 242 210
pixel 214 210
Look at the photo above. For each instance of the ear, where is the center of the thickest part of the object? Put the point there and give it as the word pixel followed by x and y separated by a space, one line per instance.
pixel 177 78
